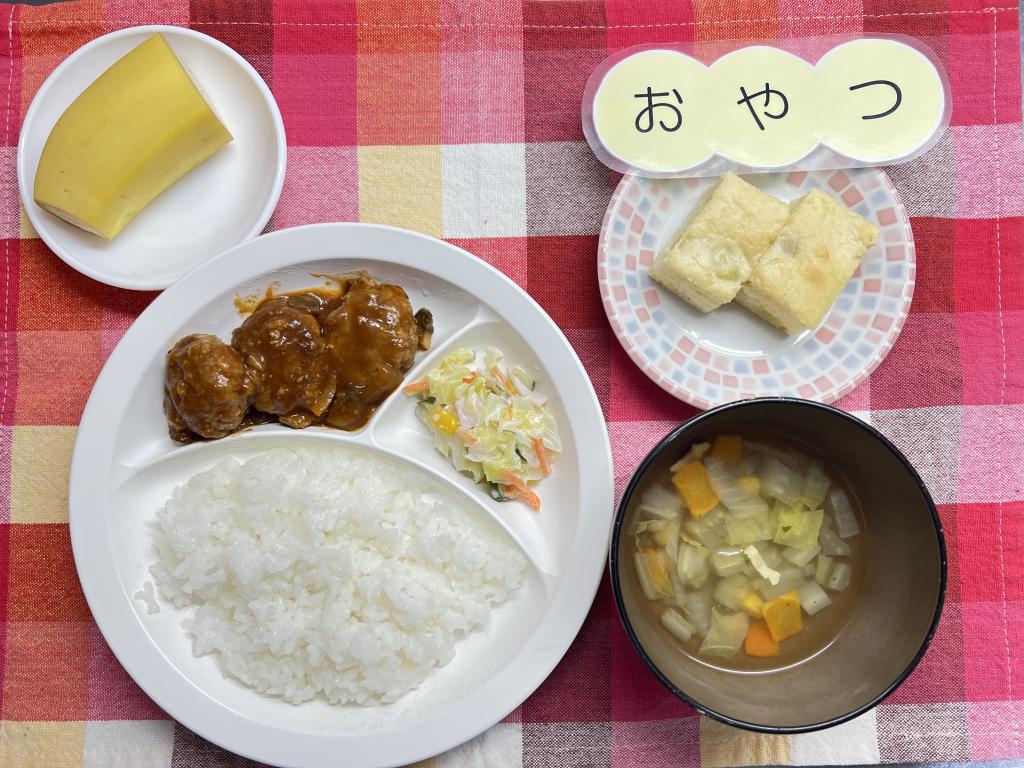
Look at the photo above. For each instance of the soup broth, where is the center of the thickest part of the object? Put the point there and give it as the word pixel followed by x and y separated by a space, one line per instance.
pixel 751 551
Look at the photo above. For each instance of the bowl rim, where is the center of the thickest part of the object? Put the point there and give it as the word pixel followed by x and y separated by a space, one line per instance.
pixel 613 565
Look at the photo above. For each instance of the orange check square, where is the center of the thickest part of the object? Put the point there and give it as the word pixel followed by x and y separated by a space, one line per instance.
pixel 52 39
pixel 46 670
pixel 42 581
pixel 52 296
pixel 398 26
pixel 56 372
pixel 707 12
pixel 398 98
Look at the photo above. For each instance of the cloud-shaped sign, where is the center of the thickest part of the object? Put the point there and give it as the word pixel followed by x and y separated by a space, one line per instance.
pixel 661 112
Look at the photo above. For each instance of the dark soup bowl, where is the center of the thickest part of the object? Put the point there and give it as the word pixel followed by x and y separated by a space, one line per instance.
pixel 847 657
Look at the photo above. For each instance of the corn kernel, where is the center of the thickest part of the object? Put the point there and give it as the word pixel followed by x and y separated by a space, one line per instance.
pixel 443 421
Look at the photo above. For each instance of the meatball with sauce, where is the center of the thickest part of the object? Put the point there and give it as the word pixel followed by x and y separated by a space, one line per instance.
pixel 283 350
pixel 206 388
pixel 371 337
pixel 327 355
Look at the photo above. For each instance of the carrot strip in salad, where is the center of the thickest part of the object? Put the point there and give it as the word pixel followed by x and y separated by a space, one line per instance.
pixel 504 381
pixel 467 438
pixel 526 493
pixel 542 456
pixel 417 386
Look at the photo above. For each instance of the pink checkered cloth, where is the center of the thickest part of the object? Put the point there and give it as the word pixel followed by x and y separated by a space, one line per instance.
pixel 462 119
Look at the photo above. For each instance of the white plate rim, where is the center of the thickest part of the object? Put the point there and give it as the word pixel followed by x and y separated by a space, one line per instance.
pixel 36 215
pixel 684 394
pixel 111 604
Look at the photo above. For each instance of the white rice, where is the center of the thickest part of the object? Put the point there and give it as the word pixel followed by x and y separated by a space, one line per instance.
pixel 148 597
pixel 328 573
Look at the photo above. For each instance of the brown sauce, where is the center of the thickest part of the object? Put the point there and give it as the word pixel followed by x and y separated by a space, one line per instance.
pixel 327 355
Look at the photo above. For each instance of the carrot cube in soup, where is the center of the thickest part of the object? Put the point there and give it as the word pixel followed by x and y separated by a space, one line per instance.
pixel 692 483
pixel 782 615
pixel 759 641
pixel 728 448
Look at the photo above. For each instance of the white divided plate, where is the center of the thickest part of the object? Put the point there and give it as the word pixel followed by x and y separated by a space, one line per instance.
pixel 124 468
pixel 226 200
pixel 730 353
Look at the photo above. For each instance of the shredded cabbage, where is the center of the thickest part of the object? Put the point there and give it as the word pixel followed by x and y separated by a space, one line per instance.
pixel 743 531
pixel 727 561
pixel 658 501
pixel 798 528
pixel 697 607
pixel 780 482
pixel 697 450
pixel 652 570
pixel 771 553
pixel 789 579
pixel 726 634
pixel 692 565
pixel 792 459
pixel 489 421
pixel 708 530
pixel 738 502
pixel 663 533
pixel 800 557
pixel 731 592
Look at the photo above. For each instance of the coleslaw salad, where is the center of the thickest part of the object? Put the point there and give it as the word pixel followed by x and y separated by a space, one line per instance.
pixel 490 421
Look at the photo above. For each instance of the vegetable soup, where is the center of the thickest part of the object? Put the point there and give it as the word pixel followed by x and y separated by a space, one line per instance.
pixel 751 551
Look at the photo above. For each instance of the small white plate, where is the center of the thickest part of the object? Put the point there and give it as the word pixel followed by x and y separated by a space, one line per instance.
pixel 226 200
pixel 125 466
pixel 730 353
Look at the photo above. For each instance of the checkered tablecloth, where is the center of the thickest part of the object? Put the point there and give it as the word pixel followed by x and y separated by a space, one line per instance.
pixel 461 119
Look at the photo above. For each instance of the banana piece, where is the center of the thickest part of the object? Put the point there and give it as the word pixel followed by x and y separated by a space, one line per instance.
pixel 141 126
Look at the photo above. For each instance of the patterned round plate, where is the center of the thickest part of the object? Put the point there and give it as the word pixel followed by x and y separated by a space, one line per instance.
pixel 730 353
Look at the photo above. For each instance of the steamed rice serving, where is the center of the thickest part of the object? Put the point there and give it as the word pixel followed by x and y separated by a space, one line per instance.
pixel 328 573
